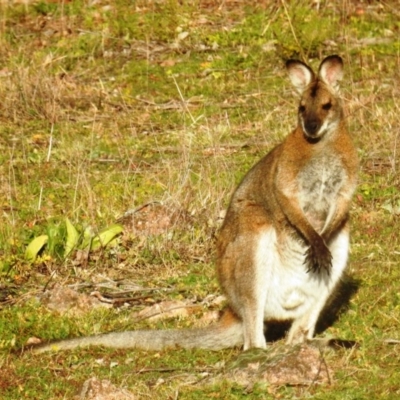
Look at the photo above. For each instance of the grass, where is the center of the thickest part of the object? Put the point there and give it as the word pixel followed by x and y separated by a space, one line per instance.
pixel 110 106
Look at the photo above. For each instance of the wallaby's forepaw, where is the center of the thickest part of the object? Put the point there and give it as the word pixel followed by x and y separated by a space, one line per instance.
pixel 318 258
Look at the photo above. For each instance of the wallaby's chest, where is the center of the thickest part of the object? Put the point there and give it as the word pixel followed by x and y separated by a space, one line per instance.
pixel 319 184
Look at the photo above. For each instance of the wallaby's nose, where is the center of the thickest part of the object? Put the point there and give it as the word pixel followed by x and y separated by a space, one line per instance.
pixel 311 126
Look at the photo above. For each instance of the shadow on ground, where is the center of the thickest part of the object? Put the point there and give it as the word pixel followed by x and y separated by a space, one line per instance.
pixel 338 304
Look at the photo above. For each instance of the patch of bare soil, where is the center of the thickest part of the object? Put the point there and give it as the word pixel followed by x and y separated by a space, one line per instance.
pixel 154 218
pixel 280 365
pixel 96 389
pixel 62 299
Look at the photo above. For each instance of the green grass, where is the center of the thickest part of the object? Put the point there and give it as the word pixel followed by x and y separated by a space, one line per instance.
pixel 111 106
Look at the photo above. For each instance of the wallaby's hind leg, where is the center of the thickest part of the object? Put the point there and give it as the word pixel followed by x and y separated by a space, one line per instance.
pixel 244 286
pixel 264 258
pixel 303 328
pixel 253 327
pixel 249 256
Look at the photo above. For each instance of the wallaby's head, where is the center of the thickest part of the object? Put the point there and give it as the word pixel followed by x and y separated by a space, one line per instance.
pixel 320 110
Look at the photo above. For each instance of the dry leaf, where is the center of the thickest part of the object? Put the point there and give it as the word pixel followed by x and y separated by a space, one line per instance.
pixel 168 63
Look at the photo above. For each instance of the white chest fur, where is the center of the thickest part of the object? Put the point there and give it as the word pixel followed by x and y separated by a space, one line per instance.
pixel 319 185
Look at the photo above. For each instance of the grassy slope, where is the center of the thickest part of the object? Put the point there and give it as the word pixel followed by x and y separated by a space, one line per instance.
pixel 93 124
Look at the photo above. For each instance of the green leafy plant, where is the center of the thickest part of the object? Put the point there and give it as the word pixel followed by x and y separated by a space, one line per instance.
pixel 35 246
pixel 87 240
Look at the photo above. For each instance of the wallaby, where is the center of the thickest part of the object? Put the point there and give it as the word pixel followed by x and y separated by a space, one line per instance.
pixel 283 245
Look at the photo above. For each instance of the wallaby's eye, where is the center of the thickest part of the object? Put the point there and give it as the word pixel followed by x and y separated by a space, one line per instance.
pixel 327 106
pixel 302 109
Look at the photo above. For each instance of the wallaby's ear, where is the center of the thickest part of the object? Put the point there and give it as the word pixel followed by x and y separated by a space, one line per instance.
pixel 300 74
pixel 331 71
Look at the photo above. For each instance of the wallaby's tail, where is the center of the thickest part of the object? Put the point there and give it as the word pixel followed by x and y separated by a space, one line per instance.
pixel 224 334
